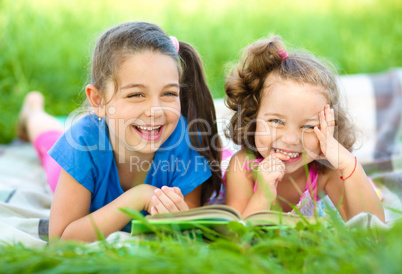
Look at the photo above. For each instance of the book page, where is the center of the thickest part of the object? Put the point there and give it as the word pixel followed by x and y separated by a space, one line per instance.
pixel 276 217
pixel 213 212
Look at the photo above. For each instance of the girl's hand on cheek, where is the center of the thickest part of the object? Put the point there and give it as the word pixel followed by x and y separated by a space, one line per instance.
pixel 331 150
pixel 272 170
pixel 168 199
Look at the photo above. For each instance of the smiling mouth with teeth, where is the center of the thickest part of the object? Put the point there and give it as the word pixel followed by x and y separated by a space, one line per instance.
pixel 290 154
pixel 149 130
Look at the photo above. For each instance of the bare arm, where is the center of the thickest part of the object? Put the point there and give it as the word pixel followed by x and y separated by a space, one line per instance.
pixel 240 183
pixel 69 218
pixel 356 193
pixel 269 173
pixel 359 195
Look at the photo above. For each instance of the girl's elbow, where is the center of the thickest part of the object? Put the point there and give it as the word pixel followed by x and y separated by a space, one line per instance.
pixel 57 233
pixel 380 213
pixel 54 236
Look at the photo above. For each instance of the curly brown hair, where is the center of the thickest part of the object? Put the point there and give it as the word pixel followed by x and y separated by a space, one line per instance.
pixel 245 85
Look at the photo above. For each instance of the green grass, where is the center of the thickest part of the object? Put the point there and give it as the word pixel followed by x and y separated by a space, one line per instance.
pixel 45 45
pixel 306 249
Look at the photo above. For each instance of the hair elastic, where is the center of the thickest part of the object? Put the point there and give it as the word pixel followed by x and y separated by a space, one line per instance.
pixel 175 43
pixel 282 53
pixel 343 179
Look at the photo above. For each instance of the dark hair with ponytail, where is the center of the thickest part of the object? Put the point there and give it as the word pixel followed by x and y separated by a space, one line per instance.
pixel 198 107
pixel 122 41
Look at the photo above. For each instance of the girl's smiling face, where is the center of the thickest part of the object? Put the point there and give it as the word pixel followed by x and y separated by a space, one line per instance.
pixel 145 110
pixel 286 119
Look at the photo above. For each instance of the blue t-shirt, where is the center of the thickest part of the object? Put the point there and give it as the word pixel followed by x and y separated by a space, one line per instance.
pixel 85 152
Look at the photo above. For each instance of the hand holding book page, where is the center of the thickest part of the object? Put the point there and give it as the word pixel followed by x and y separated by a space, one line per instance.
pixel 215 216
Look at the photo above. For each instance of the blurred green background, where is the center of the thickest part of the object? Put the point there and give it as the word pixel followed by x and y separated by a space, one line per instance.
pixel 46 45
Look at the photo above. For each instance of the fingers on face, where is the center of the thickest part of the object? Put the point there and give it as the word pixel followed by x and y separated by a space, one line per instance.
pixel 323 122
pixel 280 156
pixel 329 113
pixel 327 122
pixel 274 163
pixel 329 116
pixel 320 135
pixel 279 171
pixel 280 176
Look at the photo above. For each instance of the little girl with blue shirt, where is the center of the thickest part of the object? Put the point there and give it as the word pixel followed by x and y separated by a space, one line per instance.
pixel 149 142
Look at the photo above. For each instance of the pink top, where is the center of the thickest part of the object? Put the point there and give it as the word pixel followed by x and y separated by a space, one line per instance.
pixel 309 201
pixel 311 183
pixel 307 205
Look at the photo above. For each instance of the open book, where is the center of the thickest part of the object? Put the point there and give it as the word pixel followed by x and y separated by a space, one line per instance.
pixel 214 216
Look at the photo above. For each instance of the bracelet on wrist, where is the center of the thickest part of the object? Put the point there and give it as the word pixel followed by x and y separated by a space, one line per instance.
pixel 352 171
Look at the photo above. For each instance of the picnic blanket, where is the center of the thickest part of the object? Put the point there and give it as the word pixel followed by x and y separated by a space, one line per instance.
pixel 25 198
pixel 374 100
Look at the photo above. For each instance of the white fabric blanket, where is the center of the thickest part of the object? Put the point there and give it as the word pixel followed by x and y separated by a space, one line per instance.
pixel 24 197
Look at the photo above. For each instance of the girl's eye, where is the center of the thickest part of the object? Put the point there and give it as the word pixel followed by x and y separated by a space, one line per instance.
pixel 308 128
pixel 135 95
pixel 170 94
pixel 276 121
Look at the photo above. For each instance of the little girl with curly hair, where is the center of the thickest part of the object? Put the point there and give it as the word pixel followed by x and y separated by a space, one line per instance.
pixel 295 136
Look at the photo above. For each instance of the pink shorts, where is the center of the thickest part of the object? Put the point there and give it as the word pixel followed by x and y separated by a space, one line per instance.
pixel 42 144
